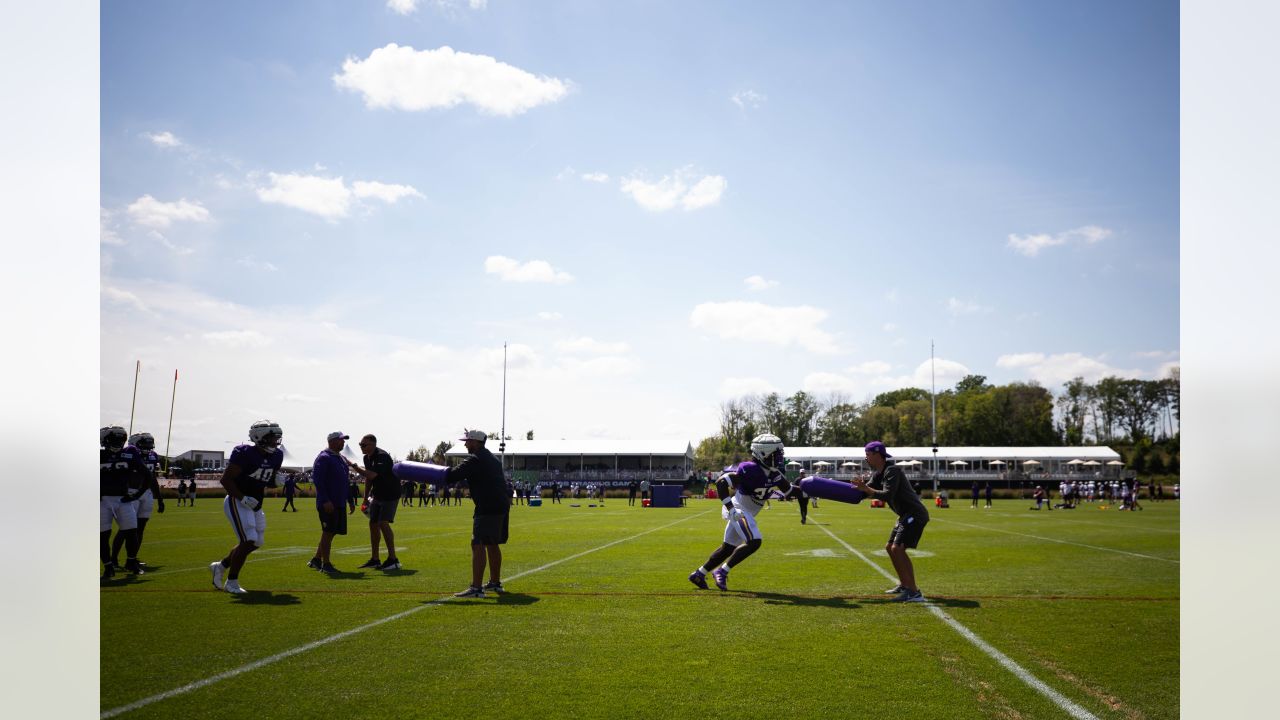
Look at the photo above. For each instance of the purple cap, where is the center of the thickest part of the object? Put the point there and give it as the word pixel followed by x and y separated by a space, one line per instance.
pixel 877 446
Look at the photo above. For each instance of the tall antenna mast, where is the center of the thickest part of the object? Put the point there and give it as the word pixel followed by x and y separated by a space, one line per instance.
pixel 933 398
pixel 502 434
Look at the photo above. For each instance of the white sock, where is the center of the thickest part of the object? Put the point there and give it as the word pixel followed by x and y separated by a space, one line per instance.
pixel 700 571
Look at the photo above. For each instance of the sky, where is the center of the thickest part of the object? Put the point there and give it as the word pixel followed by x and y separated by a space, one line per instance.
pixel 333 215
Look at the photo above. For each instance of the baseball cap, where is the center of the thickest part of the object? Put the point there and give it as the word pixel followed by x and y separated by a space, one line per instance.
pixel 877 446
pixel 474 435
pixel 338 434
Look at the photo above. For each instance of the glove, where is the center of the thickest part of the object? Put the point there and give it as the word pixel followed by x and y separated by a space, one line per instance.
pixel 127 498
pixel 159 504
pixel 249 502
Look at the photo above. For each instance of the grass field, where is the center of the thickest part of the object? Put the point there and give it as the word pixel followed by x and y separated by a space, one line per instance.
pixel 1032 615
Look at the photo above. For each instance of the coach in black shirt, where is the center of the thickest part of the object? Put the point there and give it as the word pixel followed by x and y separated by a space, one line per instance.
pixel 483 473
pixel 381 484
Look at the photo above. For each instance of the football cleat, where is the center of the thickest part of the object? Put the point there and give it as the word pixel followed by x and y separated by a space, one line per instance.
pixel 328 569
pixel 471 592
pixel 699 580
pixel 494 587
pixel 216 569
pixel 108 571
pixel 134 567
pixel 314 563
pixel 370 563
pixel 233 587
pixel 390 564
pixel 895 590
pixel 721 577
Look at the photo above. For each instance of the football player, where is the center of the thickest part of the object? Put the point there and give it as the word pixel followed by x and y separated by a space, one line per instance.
pixel 147 489
pixel 119 466
pixel 251 469
pixel 744 490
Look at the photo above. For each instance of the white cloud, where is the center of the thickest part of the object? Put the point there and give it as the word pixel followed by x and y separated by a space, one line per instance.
pixel 596 177
pixel 150 212
pixel 406 79
pixel 171 247
pixel 106 228
pixel 403 7
pixel 821 383
pixel 329 198
pixel 604 366
pixel 940 371
pixel 383 191
pixel 1053 370
pixel 958 307
pixel 533 271
pixel 237 338
pixel 734 387
pixel 591 346
pixel 756 282
pixel 550 316
pixel 163 139
pixel 756 322
pixel 1031 245
pixel 748 98
pixel 124 297
pixel 678 188
pixel 420 355
pixel 298 398
pixel 408 7
pixel 889 327
pixel 252 262
pixel 871 367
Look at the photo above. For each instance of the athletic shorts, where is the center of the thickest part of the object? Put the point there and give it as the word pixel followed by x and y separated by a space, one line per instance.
pixel 489 529
pixel 144 505
pixel 125 514
pixel 334 522
pixel 741 528
pixel 908 531
pixel 383 510
pixel 249 525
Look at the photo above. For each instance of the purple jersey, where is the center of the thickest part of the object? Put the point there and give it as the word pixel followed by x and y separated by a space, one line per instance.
pixel 258 469
pixel 752 484
pixel 119 470
pixel 151 461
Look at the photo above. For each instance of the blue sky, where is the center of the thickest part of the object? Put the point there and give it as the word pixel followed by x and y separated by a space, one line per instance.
pixel 333 215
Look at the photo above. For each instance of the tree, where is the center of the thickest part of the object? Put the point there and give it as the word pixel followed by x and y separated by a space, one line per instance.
pixel 839 426
pixel 801 419
pixel 1136 404
pixel 914 423
pixel 528 435
pixel 893 397
pixel 880 423
pixel 772 415
pixel 1072 408
pixel 419 454
pixel 972 383
pixel 442 447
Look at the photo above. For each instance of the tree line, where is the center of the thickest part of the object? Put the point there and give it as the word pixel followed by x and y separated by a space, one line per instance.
pixel 973 413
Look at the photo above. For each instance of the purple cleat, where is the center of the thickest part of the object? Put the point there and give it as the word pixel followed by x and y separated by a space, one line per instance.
pixel 698 579
pixel 722 578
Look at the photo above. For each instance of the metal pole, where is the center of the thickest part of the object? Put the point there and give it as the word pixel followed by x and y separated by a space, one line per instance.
pixel 136 369
pixel 169 436
pixel 933 396
pixel 502 435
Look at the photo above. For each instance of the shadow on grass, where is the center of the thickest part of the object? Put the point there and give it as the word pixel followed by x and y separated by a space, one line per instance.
pixel 939 602
pixel 796 600
pixel 508 598
pixel 266 597
pixel 402 572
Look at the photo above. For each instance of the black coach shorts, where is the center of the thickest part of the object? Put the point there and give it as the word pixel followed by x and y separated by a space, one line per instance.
pixel 489 529
pixel 334 522
pixel 908 531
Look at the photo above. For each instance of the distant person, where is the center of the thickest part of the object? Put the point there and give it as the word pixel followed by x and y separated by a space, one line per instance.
pixel 888 483
pixel 381 485
pixel 290 489
pixel 353 496
pixel 422 494
pixel 742 495
pixel 644 490
pixel 632 488
pixel 182 492
pixel 1039 496
pixel 973 493
pixel 250 471
pixel 489 525
pixel 1177 491
pixel 331 474
pixel 555 492
pixel 987 493
pixel 802 498
pixel 118 467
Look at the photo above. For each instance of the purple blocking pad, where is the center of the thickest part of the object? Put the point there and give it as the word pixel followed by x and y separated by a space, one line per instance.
pixel 828 489
pixel 420 472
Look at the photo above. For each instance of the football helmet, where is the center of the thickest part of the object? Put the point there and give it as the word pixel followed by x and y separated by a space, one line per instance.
pixel 265 432
pixel 767 450
pixel 113 437
pixel 143 441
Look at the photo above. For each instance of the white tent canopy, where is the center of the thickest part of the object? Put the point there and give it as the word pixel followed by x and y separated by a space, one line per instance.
pixel 958 462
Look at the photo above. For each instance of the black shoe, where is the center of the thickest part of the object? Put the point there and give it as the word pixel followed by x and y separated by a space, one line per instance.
pixel 390 564
pixel 314 563
pixel 134 567
pixel 108 571
pixel 371 563
pixel 328 569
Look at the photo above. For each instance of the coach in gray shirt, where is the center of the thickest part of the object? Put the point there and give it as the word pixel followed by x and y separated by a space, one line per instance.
pixel 890 484
pixel 483 474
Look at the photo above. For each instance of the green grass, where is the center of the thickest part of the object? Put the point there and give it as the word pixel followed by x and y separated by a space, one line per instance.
pixel 619 632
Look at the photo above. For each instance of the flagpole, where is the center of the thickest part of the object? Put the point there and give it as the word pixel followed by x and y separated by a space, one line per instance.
pixel 169 437
pixel 134 404
pixel 933 397
pixel 502 434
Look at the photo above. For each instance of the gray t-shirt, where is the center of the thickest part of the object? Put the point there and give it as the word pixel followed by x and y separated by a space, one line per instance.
pixel 891 485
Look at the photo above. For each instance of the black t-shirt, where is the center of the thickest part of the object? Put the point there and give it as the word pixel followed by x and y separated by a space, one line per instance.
pixel 483 474
pixel 119 470
pixel 385 486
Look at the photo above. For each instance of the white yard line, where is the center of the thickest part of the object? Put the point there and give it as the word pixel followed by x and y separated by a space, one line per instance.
pixel 1005 661
pixel 353 631
pixel 1056 540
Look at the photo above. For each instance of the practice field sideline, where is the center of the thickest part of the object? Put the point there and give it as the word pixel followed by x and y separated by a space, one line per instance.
pixel 1032 614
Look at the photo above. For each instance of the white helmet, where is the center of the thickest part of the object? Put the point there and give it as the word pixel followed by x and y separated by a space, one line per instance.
pixel 767 450
pixel 143 441
pixel 264 432
pixel 112 437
